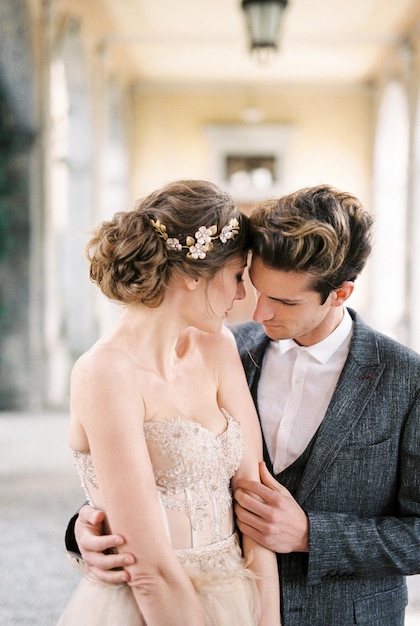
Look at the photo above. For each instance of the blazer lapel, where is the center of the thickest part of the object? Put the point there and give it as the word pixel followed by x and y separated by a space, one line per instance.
pixel 357 382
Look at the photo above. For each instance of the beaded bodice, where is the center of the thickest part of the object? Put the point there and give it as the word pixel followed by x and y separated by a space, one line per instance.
pixel 192 468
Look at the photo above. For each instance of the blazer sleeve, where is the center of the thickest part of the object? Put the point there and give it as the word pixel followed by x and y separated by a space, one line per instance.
pixel 70 537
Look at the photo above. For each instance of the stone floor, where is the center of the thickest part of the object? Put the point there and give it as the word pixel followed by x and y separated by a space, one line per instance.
pixel 39 491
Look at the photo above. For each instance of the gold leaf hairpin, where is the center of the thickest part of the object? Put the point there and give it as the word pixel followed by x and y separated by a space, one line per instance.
pixel 202 242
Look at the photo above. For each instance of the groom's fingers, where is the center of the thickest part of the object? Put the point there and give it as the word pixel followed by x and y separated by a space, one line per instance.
pixel 99 552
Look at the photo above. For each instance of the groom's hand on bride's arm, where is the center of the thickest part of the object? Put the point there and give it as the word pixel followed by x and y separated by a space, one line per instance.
pixel 268 514
pixel 99 551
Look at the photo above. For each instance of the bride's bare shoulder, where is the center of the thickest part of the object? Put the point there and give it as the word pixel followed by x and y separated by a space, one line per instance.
pixel 102 359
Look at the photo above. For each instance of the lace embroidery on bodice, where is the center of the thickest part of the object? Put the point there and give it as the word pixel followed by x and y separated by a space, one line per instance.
pixel 192 469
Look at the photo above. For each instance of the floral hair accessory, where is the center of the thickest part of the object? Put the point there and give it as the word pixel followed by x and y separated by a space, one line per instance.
pixel 202 242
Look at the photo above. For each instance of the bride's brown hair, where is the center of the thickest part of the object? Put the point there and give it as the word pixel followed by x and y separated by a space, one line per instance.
pixel 130 262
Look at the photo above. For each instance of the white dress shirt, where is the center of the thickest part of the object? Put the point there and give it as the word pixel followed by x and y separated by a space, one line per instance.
pixel 295 390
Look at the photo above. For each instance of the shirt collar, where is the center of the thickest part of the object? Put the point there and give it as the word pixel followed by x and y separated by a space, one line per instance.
pixel 323 350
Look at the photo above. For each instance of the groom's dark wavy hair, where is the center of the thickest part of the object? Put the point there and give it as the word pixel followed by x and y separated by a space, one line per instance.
pixel 319 230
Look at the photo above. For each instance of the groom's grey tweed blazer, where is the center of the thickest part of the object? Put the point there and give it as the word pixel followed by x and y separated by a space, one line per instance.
pixel 359 483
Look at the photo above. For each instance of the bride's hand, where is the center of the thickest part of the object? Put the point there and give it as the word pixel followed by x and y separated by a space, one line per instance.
pixel 99 551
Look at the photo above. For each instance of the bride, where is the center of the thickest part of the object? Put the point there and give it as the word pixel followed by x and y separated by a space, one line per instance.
pixel 162 422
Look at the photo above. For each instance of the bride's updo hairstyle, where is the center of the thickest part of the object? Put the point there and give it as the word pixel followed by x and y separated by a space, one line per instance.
pixel 188 226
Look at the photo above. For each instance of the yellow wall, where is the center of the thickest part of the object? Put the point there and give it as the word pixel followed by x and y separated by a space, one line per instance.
pixel 331 142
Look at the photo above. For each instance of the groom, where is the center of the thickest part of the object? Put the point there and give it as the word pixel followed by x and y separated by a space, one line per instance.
pixel 339 406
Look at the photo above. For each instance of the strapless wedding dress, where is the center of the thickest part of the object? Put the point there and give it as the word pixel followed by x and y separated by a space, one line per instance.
pixel 192 469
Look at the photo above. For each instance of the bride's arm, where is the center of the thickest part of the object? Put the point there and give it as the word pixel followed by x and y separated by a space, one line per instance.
pixel 107 406
pixel 235 397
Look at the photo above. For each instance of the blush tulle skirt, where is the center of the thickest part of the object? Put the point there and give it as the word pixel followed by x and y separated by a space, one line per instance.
pixel 226 588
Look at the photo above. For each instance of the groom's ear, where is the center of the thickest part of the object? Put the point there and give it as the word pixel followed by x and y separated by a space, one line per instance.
pixel 343 293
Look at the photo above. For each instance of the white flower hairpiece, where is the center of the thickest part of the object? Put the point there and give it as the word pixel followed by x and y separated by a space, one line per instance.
pixel 202 242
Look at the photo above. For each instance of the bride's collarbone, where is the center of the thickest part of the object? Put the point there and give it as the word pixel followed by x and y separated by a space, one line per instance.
pixel 175 372
pixel 179 383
